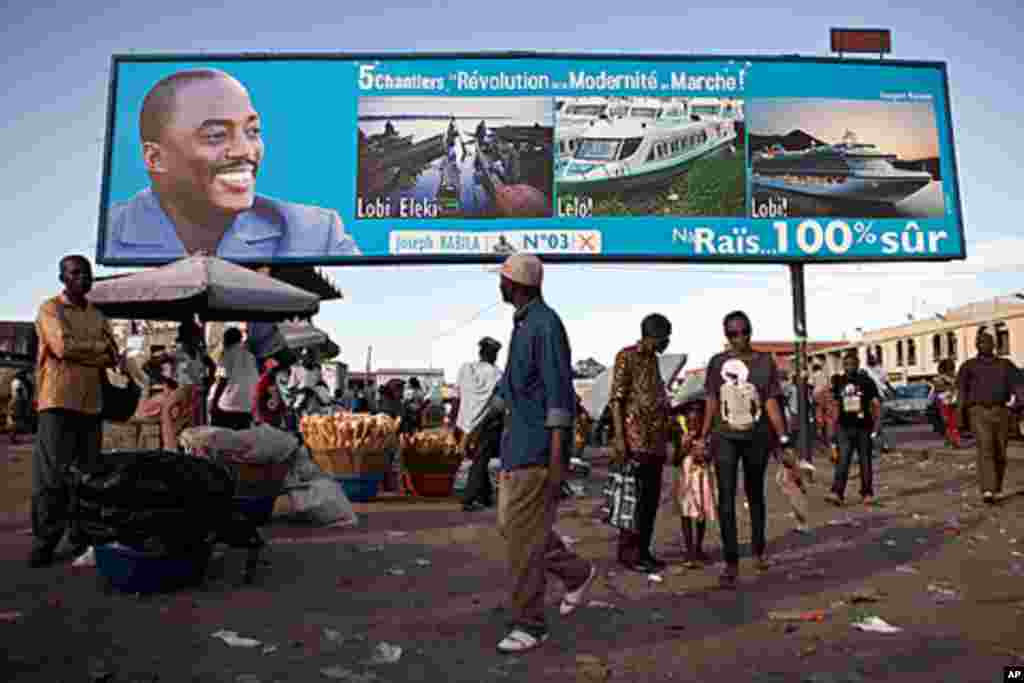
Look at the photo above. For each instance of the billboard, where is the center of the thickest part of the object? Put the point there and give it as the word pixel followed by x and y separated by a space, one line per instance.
pixel 449 158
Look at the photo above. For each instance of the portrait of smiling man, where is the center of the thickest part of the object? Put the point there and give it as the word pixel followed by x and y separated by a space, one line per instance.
pixel 203 147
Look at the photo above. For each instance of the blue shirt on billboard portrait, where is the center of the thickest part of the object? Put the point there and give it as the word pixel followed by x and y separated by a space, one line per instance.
pixel 140 229
pixel 536 388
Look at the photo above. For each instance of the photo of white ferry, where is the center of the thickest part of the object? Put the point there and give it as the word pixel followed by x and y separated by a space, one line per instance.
pixel 849 171
pixel 651 142
pixel 575 116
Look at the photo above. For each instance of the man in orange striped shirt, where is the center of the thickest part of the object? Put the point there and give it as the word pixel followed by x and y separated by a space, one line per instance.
pixel 76 346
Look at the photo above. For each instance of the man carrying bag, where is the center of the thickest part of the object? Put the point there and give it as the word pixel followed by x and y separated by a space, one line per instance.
pixel 643 429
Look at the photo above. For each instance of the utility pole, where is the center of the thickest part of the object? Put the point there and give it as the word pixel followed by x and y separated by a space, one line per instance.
pixel 800 365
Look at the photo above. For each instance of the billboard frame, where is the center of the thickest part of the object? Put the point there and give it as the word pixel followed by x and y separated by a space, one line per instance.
pixel 390 260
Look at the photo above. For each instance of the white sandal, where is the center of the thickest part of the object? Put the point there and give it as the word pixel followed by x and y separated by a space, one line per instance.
pixel 574 599
pixel 520 641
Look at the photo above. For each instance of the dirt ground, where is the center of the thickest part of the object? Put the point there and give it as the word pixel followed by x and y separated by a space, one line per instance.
pixel 429 578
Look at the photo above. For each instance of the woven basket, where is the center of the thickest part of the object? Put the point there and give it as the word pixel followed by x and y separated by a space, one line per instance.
pixel 432 485
pixel 343 462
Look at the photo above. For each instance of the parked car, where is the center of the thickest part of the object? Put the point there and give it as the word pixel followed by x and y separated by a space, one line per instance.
pixel 908 403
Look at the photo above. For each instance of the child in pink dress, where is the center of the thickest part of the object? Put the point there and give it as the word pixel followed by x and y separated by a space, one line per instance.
pixel 695 487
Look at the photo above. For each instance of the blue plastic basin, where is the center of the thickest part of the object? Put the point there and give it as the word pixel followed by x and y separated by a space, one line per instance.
pixel 258 509
pixel 361 488
pixel 136 572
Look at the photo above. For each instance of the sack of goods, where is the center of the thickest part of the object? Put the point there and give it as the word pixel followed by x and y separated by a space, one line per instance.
pixel 161 502
pixel 314 496
pixel 257 445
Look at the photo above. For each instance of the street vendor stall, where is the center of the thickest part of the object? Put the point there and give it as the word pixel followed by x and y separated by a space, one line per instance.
pixel 206 287
pixel 211 289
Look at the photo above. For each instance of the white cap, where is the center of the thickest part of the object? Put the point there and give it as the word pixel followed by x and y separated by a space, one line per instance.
pixel 526 269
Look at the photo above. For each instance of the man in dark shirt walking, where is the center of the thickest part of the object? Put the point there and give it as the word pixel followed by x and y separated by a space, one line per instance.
pixel 986 384
pixel 537 392
pixel 860 412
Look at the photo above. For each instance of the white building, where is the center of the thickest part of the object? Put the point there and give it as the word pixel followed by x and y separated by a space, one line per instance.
pixel 913 351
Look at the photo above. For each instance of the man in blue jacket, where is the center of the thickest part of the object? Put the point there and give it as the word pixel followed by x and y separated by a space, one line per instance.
pixel 537 393
pixel 202 147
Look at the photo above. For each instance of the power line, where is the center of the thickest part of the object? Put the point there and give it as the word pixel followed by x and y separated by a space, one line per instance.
pixel 458 326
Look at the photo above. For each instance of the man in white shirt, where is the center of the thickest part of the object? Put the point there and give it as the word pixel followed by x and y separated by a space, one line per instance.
pixel 476 383
pixel 231 400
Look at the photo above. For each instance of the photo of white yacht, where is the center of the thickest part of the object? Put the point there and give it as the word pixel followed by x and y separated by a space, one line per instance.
pixel 833 157
pixel 655 140
pixel 848 171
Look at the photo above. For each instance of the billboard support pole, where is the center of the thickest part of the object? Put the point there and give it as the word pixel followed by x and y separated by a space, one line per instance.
pixel 796 271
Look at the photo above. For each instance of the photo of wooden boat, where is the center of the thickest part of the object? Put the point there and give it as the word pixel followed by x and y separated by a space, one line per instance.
pixel 398 154
pixel 467 157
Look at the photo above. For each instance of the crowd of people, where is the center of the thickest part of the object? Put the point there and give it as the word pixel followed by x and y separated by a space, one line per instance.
pixel 525 416
pixel 744 418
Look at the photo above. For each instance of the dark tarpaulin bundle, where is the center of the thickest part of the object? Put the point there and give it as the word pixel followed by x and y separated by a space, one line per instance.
pixel 160 501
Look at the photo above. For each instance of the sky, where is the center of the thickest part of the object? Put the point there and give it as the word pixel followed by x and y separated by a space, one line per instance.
pixel 56 61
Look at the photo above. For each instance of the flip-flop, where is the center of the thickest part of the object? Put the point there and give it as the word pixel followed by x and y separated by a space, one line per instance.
pixel 574 599
pixel 520 641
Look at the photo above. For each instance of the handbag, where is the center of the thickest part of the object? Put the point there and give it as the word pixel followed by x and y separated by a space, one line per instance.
pixel 119 403
pixel 621 492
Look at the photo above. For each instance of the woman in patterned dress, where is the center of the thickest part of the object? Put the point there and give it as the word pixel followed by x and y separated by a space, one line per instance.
pixel 695 489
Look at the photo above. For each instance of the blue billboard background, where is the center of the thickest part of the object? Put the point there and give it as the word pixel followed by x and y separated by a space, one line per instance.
pixel 311 108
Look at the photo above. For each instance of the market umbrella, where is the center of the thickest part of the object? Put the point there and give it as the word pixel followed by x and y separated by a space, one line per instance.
pixel 670 365
pixel 304 335
pixel 207 286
